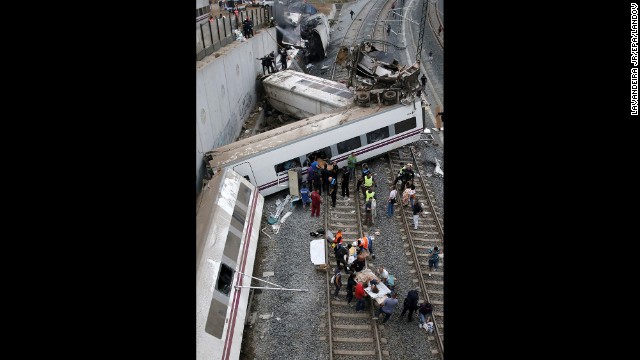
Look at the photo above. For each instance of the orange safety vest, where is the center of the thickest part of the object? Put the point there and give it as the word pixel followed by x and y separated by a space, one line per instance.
pixel 364 243
pixel 338 238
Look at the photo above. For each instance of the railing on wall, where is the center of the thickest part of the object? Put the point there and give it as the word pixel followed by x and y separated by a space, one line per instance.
pixel 218 32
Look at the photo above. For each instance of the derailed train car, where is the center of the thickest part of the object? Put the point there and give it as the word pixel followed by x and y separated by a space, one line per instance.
pixel 301 95
pixel 367 128
pixel 228 215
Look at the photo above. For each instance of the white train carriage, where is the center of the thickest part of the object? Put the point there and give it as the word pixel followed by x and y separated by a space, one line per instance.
pixel 228 215
pixel 264 159
pixel 301 95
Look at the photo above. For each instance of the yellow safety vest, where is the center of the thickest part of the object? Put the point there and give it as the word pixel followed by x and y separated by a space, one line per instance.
pixel 368 181
pixel 369 195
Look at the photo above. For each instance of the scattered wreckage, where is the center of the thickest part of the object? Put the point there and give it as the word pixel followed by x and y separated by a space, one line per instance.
pixel 374 73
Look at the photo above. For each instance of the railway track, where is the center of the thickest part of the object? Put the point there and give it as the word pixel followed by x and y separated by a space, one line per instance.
pixel 358 335
pixel 432 11
pixel 430 233
pixel 351 333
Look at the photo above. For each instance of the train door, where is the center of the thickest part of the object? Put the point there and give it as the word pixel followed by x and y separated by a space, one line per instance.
pixel 244 169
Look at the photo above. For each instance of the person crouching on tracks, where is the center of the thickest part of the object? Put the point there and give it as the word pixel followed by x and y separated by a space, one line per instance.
pixel 341 254
pixel 383 274
pixel 337 282
pixel 358 264
pixel 387 307
pixel 425 314
pixel 316 200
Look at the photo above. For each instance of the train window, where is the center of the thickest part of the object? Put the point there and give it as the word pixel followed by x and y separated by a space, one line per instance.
pixel 321 153
pixel 215 320
pixel 405 125
pixel 225 279
pixel 238 218
pixel 232 245
pixel 244 194
pixel 348 145
pixel 289 164
pixel 377 135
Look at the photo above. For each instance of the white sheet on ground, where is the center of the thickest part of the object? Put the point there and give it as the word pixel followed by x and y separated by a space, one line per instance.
pixel 316 250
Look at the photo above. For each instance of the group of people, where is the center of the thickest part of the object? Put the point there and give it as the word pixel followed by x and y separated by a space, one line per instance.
pixel 269 60
pixel 319 178
pixel 352 256
pixel 357 288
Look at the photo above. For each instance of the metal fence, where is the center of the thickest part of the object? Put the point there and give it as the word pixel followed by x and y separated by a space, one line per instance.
pixel 218 32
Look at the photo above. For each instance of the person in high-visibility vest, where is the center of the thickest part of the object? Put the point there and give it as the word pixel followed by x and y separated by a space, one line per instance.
pixel 369 194
pixel 363 243
pixel 366 243
pixel 368 183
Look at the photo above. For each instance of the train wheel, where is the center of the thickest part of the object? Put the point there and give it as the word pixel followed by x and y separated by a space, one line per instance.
pixel 389 97
pixel 362 99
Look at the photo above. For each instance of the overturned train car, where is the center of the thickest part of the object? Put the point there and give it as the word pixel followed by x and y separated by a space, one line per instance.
pixel 228 215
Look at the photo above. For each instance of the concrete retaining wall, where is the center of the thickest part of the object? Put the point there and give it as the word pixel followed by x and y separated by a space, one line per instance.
pixel 226 92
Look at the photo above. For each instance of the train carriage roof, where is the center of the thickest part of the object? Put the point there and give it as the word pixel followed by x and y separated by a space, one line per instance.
pixel 248 147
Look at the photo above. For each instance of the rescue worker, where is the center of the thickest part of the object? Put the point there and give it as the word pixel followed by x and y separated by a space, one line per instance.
pixel 368 183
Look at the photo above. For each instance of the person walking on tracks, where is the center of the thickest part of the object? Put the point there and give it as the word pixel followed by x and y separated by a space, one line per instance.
pixel 417 209
pixel 352 13
pixel 316 200
pixel 434 259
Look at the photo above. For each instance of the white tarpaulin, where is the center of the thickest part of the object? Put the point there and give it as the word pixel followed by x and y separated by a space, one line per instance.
pixel 316 250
